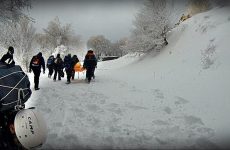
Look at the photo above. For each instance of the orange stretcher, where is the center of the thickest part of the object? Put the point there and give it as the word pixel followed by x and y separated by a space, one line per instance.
pixel 79 68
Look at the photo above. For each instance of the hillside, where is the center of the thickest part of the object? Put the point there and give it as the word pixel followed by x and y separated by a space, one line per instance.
pixel 177 99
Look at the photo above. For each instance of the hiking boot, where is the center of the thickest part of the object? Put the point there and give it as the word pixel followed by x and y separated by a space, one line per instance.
pixel 37 89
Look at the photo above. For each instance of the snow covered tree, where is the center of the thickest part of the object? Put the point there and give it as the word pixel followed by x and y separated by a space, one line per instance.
pixel 12 9
pixel 100 44
pixel 117 48
pixel 104 47
pixel 21 36
pixel 57 34
pixel 151 25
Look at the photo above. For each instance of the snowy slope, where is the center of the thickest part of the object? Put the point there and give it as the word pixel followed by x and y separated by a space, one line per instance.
pixel 177 99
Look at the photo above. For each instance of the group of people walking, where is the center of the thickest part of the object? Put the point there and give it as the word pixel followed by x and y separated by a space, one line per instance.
pixel 57 66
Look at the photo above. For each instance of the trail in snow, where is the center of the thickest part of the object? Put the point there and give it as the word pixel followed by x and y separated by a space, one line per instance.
pixel 111 113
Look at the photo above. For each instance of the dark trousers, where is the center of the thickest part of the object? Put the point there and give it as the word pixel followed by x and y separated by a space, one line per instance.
pixel 69 75
pixel 51 70
pixel 89 73
pixel 57 72
pixel 73 74
pixel 36 78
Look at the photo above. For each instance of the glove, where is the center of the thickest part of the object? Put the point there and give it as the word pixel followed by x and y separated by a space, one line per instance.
pixel 43 71
pixel 30 71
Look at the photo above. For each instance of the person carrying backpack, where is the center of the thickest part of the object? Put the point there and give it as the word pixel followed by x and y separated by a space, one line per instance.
pixel 8 56
pixel 35 64
pixel 58 68
pixel 50 65
pixel 75 60
pixel 90 63
pixel 68 67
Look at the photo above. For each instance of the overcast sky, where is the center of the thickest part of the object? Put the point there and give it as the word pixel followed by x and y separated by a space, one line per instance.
pixel 111 18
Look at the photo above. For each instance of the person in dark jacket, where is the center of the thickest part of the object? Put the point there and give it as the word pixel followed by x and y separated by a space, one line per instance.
pixel 75 60
pixel 68 67
pixel 58 67
pixel 90 63
pixel 35 64
pixel 8 56
pixel 50 65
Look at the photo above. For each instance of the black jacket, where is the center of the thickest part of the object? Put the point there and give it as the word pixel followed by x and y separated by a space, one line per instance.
pixel 58 63
pixel 8 57
pixel 90 61
pixel 41 64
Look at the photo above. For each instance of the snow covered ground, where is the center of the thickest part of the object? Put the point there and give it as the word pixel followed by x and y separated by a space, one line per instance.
pixel 177 99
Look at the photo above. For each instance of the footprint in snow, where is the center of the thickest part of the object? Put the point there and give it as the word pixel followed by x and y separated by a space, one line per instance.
pixel 168 110
pixel 158 94
pixel 180 100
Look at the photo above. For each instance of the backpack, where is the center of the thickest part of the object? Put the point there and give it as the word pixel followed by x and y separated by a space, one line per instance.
pixel 67 62
pixel 35 61
pixel 50 61
pixel 14 87
pixel 57 61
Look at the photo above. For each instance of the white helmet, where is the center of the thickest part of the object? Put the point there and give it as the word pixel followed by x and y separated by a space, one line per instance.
pixel 30 128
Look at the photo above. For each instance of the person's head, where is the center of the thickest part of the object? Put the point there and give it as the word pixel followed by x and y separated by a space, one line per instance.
pixel 11 50
pixel 58 55
pixel 40 54
pixel 90 51
pixel 69 55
